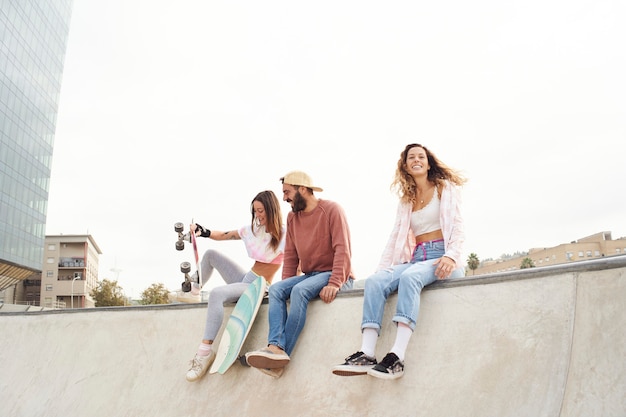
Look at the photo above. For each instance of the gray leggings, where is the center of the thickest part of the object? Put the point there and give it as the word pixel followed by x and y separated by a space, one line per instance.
pixel 237 280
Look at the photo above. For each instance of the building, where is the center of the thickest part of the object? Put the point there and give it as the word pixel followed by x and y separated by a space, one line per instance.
pixel 591 247
pixel 70 272
pixel 33 41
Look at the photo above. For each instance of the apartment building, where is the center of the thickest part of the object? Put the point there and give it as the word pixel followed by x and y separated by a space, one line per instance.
pixel 70 272
pixel 591 247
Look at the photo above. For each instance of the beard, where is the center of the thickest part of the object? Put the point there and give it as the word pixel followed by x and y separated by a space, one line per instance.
pixel 299 203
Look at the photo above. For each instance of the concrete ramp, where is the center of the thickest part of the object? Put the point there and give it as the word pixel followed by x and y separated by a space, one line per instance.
pixel 539 342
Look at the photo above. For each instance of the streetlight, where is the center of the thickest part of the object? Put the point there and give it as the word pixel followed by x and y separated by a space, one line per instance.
pixel 72 297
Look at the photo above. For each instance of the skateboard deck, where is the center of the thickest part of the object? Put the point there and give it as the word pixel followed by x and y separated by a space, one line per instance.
pixel 238 326
pixel 195 254
pixel 185 267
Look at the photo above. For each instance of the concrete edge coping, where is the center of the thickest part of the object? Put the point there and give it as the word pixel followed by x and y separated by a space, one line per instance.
pixel 612 262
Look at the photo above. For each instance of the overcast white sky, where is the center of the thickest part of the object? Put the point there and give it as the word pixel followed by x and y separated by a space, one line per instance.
pixel 177 110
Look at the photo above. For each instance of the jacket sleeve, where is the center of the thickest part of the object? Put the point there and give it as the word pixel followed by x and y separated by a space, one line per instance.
pixel 391 249
pixel 452 223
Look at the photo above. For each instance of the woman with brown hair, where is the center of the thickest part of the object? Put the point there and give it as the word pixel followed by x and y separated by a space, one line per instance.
pixel 264 239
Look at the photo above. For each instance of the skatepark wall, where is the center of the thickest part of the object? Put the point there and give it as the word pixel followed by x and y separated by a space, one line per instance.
pixel 536 342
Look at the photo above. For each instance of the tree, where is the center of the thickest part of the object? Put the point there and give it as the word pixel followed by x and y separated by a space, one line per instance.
pixel 108 293
pixel 473 262
pixel 527 263
pixel 155 294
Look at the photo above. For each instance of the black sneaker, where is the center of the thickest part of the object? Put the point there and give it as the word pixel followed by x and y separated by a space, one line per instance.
pixel 391 367
pixel 356 364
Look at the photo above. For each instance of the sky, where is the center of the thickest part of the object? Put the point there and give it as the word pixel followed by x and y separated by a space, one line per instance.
pixel 173 111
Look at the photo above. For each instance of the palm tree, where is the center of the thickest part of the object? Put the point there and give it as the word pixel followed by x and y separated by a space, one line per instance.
pixel 473 262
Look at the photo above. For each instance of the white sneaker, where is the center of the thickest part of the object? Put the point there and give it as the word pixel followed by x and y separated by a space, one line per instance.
pixel 199 366
pixel 184 297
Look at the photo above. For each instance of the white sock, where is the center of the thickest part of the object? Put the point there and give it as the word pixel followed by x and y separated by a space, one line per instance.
pixel 204 349
pixel 403 334
pixel 368 342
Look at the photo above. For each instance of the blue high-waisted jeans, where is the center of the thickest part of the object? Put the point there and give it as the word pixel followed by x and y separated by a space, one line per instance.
pixel 408 279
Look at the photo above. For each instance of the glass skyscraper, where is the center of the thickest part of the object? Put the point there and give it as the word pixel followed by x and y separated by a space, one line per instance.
pixel 33 41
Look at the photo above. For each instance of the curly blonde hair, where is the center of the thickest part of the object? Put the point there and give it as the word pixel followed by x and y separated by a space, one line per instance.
pixel 403 183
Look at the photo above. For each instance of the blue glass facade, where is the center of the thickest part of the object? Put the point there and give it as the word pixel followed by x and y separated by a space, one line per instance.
pixel 33 41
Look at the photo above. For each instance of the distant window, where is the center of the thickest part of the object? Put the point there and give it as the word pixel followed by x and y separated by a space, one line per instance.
pixel 52 246
pixel 588 254
pixel 617 250
pixel 48 287
pixel 50 260
pixel 554 257
pixel 581 254
pixel 569 256
pixel 547 259
pixel 49 273
pixel 597 253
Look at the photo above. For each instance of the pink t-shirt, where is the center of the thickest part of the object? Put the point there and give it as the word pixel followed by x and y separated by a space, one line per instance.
pixel 258 245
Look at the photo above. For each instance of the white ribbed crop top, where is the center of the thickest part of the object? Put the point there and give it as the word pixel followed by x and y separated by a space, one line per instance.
pixel 426 219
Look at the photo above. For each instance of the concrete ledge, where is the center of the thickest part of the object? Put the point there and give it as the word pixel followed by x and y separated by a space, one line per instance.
pixel 539 342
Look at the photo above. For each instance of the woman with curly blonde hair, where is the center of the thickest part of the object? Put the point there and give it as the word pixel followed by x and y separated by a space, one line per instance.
pixel 425 245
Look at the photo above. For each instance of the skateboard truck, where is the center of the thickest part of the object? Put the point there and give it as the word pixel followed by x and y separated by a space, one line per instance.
pixel 178 228
pixel 185 268
pixel 243 361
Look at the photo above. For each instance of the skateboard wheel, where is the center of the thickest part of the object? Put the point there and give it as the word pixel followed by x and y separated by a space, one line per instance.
pixel 185 267
pixel 178 227
pixel 180 245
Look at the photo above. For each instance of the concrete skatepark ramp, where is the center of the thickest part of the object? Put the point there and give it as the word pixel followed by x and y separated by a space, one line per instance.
pixel 536 342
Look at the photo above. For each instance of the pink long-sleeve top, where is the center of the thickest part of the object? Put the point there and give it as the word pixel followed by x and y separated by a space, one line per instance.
pixel 401 242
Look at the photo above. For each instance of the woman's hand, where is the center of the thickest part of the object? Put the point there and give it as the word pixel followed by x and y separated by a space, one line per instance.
pixel 444 267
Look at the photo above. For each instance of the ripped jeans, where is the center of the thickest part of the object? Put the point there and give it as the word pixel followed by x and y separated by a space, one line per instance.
pixel 408 280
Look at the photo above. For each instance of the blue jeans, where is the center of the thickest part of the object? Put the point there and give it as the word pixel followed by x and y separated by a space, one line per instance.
pixel 408 280
pixel 285 328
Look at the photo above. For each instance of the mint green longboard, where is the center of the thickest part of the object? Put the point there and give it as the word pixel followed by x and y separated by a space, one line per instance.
pixel 238 326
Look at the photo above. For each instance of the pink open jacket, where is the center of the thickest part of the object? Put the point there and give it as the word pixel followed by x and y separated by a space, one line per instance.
pixel 401 243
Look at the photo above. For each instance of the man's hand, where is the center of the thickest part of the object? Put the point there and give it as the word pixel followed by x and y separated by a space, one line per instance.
pixel 328 293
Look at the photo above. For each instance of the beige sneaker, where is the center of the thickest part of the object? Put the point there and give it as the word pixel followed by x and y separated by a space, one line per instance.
pixel 267 358
pixel 199 366
pixel 274 373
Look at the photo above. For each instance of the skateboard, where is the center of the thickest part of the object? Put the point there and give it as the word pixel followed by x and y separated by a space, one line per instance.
pixel 238 327
pixel 185 267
